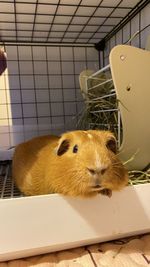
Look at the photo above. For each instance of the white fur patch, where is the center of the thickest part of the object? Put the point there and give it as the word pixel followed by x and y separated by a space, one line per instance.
pixel 97 160
pixel 90 136
pixel 99 163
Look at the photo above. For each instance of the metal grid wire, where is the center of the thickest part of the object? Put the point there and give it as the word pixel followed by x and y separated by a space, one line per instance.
pixel 7 186
pixel 134 32
pixel 101 106
pixel 40 92
pixel 61 21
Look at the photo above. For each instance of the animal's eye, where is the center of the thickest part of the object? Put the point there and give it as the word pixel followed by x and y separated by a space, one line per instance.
pixel 91 171
pixel 111 145
pixel 75 149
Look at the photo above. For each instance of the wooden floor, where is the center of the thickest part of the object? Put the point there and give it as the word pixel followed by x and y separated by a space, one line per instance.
pixel 130 252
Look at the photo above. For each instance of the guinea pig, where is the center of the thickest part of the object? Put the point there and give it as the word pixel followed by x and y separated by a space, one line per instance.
pixel 78 163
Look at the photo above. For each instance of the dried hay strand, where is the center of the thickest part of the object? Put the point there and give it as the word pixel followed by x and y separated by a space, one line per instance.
pixel 139 177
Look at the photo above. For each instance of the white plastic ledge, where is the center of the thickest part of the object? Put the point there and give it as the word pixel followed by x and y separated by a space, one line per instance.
pixel 41 224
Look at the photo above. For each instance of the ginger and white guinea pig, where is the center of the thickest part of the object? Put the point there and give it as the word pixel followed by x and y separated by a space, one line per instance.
pixel 79 163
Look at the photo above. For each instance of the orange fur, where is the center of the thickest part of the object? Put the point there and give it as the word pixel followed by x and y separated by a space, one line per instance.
pixel 38 169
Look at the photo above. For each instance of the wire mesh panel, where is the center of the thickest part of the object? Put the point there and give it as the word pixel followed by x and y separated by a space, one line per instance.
pixel 40 91
pixel 7 186
pixel 135 33
pixel 61 21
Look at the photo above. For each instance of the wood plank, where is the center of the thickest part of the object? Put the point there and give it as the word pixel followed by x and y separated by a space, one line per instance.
pixel 78 257
pixel 131 252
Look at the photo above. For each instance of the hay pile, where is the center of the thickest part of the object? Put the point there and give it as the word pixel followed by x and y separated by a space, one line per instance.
pixel 100 103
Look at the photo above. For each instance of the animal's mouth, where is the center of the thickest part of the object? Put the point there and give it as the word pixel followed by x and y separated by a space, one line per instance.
pixel 102 190
pixel 97 186
pixel 106 192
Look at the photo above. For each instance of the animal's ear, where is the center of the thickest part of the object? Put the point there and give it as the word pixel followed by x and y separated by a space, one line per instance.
pixel 63 147
pixel 111 144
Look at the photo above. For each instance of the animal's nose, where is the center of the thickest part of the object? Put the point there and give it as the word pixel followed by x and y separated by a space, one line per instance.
pixel 97 170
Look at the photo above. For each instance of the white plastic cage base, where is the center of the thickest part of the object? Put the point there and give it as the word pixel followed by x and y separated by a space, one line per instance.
pixel 41 224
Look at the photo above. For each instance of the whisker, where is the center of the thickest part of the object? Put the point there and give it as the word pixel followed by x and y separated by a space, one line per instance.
pixel 117 174
pixel 116 164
